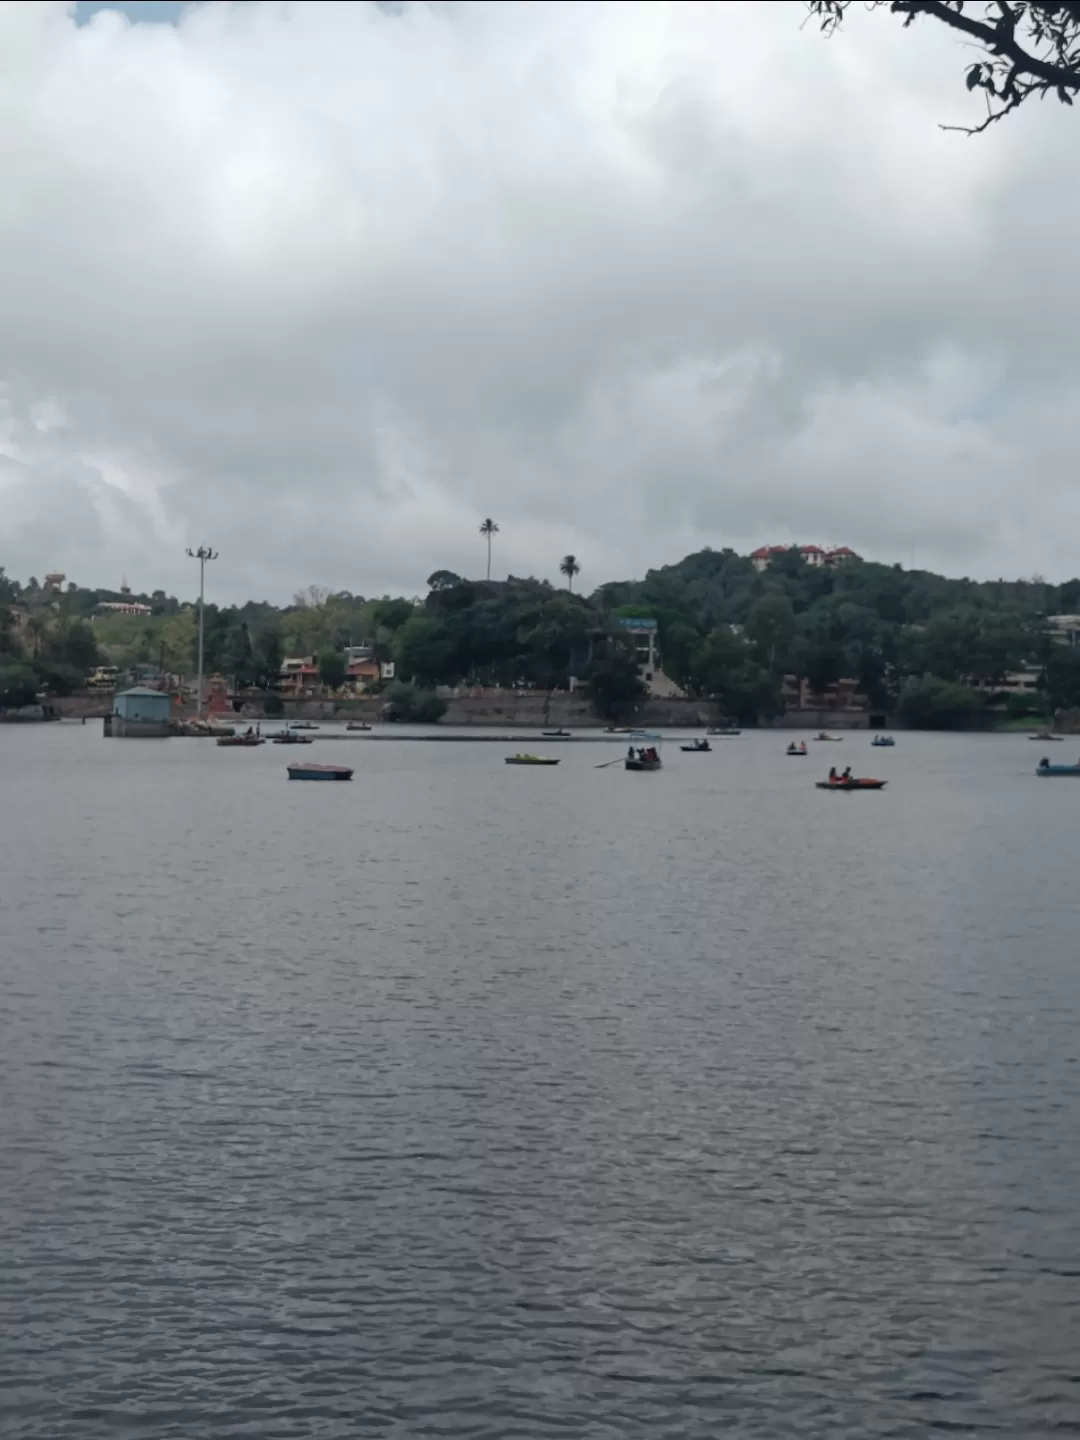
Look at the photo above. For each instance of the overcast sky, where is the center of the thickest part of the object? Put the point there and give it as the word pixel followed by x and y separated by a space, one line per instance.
pixel 323 285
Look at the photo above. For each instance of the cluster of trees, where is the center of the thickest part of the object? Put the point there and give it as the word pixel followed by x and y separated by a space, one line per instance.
pixel 250 642
pixel 247 642
pixel 50 650
pixel 518 632
pixel 506 633
pixel 929 648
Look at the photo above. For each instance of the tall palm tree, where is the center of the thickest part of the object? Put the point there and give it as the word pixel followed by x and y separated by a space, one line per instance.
pixel 489 528
pixel 37 628
pixel 570 567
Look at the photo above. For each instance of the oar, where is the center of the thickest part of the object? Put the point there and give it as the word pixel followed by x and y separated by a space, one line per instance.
pixel 606 763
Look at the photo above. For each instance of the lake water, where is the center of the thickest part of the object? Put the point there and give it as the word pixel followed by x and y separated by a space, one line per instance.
pixel 474 1101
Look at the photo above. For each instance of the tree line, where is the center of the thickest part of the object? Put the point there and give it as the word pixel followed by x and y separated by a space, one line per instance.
pixel 929 649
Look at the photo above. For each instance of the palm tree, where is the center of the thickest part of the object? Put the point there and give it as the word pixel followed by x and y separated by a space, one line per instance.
pixel 489 528
pixel 37 628
pixel 570 567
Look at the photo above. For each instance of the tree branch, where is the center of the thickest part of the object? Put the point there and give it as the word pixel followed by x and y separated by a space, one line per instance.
pixel 999 39
pixel 992 118
pixel 1008 72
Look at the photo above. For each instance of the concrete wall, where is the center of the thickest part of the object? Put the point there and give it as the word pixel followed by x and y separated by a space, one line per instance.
pixel 28 715
pixel 119 727
pixel 91 703
pixel 536 711
pixel 526 711
pixel 507 707
pixel 822 720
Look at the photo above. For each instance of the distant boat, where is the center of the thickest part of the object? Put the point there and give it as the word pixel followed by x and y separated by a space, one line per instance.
pixel 834 739
pixel 619 730
pixel 699 747
pixel 289 737
pixel 643 760
pixel 797 749
pixel 1045 768
pixel 853 783
pixel 721 730
pixel 555 734
pixel 1045 735
pixel 882 741
pixel 300 771
pixel 357 725
pixel 302 725
pixel 241 742
pixel 531 760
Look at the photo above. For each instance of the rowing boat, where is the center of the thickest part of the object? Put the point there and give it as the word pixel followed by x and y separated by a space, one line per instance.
pixel 301 771
pixel 852 784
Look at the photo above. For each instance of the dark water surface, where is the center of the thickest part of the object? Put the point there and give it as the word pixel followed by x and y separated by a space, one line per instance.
pixel 473 1101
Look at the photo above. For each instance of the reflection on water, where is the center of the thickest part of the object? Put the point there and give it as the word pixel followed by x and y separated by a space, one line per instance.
pixel 480 1101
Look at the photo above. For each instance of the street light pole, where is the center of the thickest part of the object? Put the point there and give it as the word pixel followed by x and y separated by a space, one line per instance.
pixel 202 554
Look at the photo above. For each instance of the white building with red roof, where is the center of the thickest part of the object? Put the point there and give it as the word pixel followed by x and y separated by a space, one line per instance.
pixel 813 555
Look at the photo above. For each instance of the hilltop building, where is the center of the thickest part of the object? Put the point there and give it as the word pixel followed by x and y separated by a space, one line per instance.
pixel 124 607
pixel 813 555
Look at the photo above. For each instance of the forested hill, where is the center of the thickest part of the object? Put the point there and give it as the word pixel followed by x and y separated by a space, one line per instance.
pixel 879 624
pixel 719 586
pixel 728 633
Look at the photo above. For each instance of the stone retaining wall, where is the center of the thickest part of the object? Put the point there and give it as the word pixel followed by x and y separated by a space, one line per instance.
pixel 515 709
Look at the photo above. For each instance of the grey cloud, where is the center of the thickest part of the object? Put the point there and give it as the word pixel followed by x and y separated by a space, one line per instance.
pixel 325 285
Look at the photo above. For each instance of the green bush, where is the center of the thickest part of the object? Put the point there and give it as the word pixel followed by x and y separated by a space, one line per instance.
pixel 1019 707
pixel 929 703
pixel 428 709
pixel 615 688
pixel 60 678
pixel 412 706
pixel 18 686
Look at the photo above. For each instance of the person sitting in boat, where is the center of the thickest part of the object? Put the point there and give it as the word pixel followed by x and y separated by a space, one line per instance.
pixel 631 752
pixel 847 773
pixel 833 777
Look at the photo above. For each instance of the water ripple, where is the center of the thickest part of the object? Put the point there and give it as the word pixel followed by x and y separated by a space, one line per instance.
pixel 664 1106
